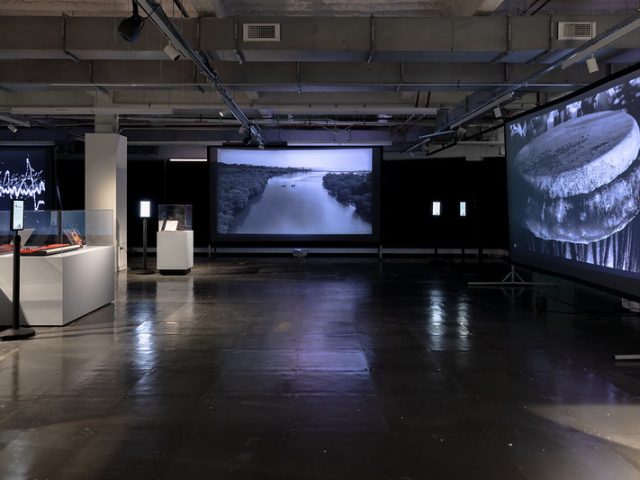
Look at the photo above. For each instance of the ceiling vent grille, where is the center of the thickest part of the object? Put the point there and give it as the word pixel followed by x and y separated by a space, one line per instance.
pixel 260 32
pixel 576 30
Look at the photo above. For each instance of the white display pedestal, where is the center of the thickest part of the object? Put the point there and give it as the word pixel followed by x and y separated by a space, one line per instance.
pixel 58 289
pixel 175 252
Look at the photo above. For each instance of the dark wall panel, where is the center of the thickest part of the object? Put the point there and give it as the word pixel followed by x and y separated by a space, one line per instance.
pixel 409 187
pixel 169 183
pixel 70 177
pixel 145 181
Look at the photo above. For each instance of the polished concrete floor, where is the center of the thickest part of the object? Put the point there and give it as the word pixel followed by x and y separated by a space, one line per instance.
pixel 327 368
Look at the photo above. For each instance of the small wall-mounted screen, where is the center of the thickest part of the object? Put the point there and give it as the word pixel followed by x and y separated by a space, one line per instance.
pixel 17 215
pixel 574 185
pixel 463 209
pixel 145 208
pixel 294 192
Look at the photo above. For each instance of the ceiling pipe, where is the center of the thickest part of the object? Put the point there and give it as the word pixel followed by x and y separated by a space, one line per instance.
pixel 15 121
pixel 183 11
pixel 159 18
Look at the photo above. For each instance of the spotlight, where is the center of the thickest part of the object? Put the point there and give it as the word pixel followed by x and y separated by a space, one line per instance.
pixel 131 27
pixel 171 52
pixel 221 113
pixel 592 64
pixel 12 128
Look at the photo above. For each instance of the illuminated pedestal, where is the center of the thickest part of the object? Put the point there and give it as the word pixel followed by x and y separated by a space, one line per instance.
pixel 175 252
pixel 58 289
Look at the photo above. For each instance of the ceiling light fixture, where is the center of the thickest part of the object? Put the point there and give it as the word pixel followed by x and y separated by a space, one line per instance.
pixel 130 28
pixel 592 64
pixel 12 128
pixel 187 159
pixel 171 52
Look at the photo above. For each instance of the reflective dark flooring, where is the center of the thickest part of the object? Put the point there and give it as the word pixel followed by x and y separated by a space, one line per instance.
pixel 327 368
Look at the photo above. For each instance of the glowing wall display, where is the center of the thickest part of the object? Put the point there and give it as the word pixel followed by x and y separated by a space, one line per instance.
pixel 574 184
pixel 25 174
pixel 294 192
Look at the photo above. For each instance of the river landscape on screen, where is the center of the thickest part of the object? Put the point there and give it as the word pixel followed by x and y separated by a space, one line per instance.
pixel 295 192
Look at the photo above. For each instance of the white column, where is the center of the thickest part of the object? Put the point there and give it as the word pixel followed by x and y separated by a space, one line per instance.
pixel 106 184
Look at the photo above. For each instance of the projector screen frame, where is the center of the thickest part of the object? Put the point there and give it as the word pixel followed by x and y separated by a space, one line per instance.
pixel 608 279
pixel 286 240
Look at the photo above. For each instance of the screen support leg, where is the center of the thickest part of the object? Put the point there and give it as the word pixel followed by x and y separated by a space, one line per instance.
pixel 16 332
pixel 512 279
pixel 145 270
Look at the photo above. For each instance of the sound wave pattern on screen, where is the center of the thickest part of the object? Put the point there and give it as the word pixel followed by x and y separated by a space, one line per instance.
pixel 21 185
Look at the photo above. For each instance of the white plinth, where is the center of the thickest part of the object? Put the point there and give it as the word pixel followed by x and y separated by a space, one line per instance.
pixel 58 289
pixel 175 251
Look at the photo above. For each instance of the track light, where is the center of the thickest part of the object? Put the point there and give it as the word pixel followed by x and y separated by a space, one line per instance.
pixel 131 27
pixel 592 64
pixel 171 52
pixel 497 112
pixel 12 128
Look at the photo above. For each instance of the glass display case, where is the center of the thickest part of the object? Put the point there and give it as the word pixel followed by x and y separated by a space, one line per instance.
pixel 173 218
pixel 47 232
pixel 175 239
pixel 6 235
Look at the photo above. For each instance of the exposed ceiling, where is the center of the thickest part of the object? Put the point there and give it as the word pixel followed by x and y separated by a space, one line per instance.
pixel 345 71
pixel 247 8
pixel 314 8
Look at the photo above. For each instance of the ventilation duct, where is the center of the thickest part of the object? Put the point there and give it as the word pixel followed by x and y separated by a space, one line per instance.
pixel 260 32
pixel 576 30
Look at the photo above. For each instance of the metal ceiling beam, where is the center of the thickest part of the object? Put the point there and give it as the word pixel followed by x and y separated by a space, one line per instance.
pixel 163 23
pixel 48 75
pixel 512 40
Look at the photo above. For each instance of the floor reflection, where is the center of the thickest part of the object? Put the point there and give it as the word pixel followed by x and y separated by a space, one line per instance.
pixel 324 368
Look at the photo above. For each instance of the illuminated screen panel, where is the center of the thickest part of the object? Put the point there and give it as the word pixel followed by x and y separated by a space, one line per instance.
pixel 25 174
pixel 295 193
pixel 574 186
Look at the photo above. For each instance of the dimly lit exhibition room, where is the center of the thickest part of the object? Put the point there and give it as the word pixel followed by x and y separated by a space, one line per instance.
pixel 320 239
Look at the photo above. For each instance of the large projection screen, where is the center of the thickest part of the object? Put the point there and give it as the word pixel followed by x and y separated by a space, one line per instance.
pixel 574 185
pixel 293 194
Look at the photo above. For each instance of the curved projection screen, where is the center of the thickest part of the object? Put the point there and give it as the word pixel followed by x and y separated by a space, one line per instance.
pixel 293 193
pixel 574 186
